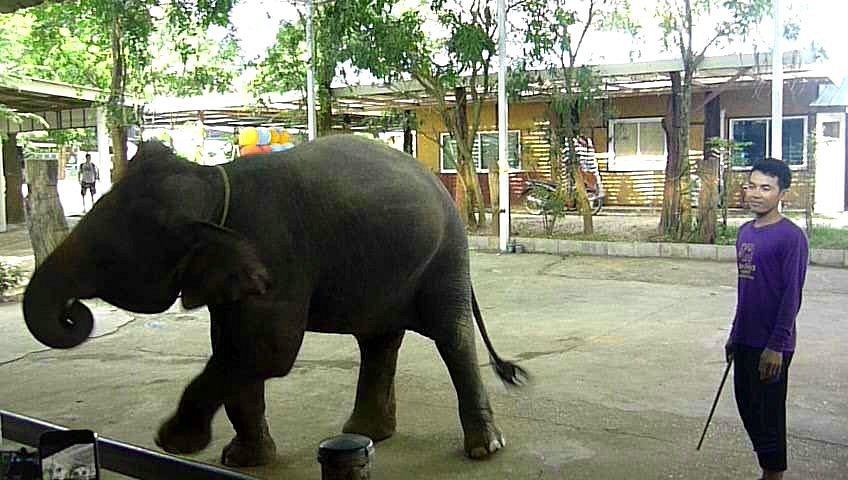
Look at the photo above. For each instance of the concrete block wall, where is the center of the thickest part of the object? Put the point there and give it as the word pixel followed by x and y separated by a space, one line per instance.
pixel 691 251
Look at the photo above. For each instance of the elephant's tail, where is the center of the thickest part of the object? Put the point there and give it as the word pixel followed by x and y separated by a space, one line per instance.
pixel 511 374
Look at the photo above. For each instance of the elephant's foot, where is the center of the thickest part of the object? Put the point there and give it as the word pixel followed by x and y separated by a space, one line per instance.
pixel 175 436
pixel 483 442
pixel 373 427
pixel 241 453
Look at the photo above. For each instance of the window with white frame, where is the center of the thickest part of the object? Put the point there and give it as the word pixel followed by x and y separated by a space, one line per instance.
pixel 754 137
pixel 637 144
pixel 484 152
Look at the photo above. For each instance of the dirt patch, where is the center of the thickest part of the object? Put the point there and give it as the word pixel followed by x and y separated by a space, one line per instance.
pixel 612 227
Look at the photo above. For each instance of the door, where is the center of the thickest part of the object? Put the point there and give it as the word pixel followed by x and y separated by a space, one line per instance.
pixel 830 163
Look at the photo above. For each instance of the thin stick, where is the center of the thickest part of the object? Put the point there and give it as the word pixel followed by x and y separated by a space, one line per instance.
pixel 715 403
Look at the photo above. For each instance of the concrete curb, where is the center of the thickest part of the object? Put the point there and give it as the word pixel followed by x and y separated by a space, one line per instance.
pixel 691 251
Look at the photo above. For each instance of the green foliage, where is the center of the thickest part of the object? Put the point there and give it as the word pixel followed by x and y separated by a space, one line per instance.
pixel 12 29
pixel 720 21
pixel 729 149
pixel 284 67
pixel 556 45
pixel 349 37
pixel 470 45
pixel 366 34
pixel 71 42
pixel 197 63
pixel 553 204
pixel 726 234
pixel 619 19
pixel 10 276
pixel 76 138
pixel 66 44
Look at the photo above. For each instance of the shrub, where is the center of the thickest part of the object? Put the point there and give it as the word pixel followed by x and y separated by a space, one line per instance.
pixel 10 276
pixel 553 204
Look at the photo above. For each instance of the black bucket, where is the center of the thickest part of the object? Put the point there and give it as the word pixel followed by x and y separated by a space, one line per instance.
pixel 346 457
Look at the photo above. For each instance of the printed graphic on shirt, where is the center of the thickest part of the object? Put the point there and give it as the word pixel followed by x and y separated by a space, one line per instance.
pixel 88 173
pixel 745 261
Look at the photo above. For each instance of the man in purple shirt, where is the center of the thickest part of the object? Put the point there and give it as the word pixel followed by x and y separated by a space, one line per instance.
pixel 772 261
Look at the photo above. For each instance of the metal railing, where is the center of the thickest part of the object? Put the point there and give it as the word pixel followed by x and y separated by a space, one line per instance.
pixel 129 460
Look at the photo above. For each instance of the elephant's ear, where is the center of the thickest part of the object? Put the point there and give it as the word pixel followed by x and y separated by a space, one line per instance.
pixel 220 267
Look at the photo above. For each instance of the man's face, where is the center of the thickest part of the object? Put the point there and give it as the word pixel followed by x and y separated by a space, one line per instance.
pixel 763 193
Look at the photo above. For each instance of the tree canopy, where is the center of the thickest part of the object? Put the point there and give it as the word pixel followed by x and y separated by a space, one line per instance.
pixel 682 23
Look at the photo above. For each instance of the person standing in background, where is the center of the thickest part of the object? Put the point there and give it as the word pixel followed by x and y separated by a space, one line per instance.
pixel 88 177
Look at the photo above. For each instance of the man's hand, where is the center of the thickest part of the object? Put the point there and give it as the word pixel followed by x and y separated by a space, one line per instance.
pixel 770 363
pixel 728 351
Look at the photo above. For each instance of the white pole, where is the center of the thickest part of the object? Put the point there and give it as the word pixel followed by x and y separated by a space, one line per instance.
pixel 310 75
pixel 503 128
pixel 777 86
pixel 3 225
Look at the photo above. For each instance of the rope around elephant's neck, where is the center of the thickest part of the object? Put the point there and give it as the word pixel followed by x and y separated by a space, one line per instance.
pixel 226 195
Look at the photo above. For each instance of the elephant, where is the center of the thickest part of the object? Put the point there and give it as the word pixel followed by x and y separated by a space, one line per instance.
pixel 338 235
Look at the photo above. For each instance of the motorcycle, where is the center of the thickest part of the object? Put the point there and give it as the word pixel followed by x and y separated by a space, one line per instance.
pixel 534 201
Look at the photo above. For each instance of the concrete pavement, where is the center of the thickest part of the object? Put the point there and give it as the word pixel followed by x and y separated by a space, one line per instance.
pixel 625 353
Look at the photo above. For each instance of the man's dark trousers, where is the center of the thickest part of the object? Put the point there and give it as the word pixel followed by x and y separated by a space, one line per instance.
pixel 762 406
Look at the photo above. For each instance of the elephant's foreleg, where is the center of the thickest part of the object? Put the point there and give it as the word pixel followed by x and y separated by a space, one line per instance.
pixel 189 429
pixel 249 346
pixel 252 444
pixel 374 411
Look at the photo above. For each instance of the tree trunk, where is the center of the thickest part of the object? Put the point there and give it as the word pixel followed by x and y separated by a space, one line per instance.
pixel 459 199
pixel 708 172
pixel 472 195
pixel 465 164
pixel 811 196
pixel 325 113
pixel 570 121
pixel 45 217
pixel 62 153
pixel 685 226
pixel 670 216
pixel 494 194
pixel 116 118
pixel 555 127
pixel 14 173
pixel 495 183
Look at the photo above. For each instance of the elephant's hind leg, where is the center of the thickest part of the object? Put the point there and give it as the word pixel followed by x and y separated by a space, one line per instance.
pixel 374 411
pixel 253 444
pixel 451 325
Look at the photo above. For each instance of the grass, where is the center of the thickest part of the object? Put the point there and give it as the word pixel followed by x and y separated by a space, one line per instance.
pixel 827 237
pixel 822 237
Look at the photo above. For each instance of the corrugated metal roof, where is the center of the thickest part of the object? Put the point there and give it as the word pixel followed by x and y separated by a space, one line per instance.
pixel 833 96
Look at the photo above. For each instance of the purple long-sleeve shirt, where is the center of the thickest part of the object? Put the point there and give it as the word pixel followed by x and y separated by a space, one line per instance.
pixel 772 263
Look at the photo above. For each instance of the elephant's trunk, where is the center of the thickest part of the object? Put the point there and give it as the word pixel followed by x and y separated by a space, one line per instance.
pixel 52 312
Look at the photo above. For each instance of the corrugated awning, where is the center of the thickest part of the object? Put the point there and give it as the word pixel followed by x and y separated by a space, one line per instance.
pixel 61 105
pixel 832 95
pixel 372 106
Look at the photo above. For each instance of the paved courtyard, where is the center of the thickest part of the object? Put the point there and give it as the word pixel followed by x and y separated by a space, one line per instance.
pixel 625 354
